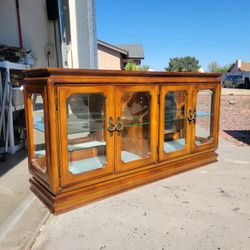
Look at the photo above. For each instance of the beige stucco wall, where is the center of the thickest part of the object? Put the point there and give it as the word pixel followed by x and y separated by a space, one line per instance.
pixel 108 58
pixel 37 31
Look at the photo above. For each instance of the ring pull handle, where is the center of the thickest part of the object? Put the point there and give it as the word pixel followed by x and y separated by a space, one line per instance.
pixel 194 116
pixel 119 126
pixel 111 126
pixel 190 116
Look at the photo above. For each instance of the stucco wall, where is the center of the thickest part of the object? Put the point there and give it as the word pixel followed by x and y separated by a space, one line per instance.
pixel 108 58
pixel 83 33
pixel 234 69
pixel 37 31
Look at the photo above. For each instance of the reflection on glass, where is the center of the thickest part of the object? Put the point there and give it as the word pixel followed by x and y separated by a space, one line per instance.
pixel 86 132
pixel 39 132
pixel 204 117
pixel 174 121
pixel 135 117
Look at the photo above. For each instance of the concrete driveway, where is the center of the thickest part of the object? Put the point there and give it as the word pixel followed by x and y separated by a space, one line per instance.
pixel 205 208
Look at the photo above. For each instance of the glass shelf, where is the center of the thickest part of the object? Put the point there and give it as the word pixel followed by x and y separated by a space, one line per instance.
pixel 174 111
pixel 39 125
pixel 136 124
pixel 171 146
pixel 86 115
pixel 85 165
pixel 203 114
pixel 171 131
pixel 175 119
pixel 72 131
pixel 85 145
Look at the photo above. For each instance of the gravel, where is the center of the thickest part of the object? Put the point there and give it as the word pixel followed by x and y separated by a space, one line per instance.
pixel 235 117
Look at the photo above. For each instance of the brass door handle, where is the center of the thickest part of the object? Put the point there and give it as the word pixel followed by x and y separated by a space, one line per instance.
pixel 119 126
pixel 111 126
pixel 194 116
pixel 191 116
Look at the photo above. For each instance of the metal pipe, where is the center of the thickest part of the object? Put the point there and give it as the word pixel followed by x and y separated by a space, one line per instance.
pixel 19 24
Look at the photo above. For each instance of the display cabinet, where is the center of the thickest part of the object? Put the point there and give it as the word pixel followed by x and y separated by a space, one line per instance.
pixel 94 133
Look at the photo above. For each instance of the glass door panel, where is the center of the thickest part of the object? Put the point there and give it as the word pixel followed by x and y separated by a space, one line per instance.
pixel 37 129
pixel 86 132
pixel 136 114
pixel 174 138
pixel 204 117
pixel 175 121
pixel 135 117
pixel 87 146
pixel 39 159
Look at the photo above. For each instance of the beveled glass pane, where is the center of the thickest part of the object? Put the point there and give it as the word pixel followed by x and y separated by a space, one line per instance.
pixel 204 117
pixel 135 117
pixel 86 132
pixel 39 132
pixel 174 121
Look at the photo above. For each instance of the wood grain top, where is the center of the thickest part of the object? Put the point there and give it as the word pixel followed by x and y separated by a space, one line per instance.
pixel 46 72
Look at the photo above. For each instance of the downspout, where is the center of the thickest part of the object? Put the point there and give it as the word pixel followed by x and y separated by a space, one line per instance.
pixel 19 25
pixel 62 34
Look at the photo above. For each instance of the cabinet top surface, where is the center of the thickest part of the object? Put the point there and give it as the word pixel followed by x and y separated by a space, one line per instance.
pixel 47 72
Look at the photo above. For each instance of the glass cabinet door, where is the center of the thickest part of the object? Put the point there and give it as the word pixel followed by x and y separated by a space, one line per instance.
pixel 205 117
pixel 86 142
pixel 37 123
pixel 174 127
pixel 136 117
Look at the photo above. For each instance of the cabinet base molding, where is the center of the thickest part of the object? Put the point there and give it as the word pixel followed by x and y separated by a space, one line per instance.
pixel 67 200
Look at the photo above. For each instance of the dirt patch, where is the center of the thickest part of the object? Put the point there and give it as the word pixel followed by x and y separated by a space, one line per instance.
pixel 235 118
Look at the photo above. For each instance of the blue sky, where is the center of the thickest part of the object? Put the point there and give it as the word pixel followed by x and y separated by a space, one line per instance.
pixel 214 30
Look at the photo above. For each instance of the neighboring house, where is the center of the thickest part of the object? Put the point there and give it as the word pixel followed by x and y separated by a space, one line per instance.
pixel 239 67
pixel 116 56
pixel 241 70
pixel 135 53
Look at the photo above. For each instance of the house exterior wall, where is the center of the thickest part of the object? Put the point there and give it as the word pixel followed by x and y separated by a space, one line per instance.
pixel 83 34
pixel 234 69
pixel 37 31
pixel 108 58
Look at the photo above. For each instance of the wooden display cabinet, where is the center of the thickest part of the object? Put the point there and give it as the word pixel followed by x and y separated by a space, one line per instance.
pixel 94 133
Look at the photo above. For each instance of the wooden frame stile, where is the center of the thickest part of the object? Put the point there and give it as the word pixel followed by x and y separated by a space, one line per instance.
pixel 64 92
pixel 164 90
pixel 54 138
pixel 215 88
pixel 153 90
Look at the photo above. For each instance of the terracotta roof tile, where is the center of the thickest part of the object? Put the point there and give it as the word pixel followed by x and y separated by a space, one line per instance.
pixel 245 66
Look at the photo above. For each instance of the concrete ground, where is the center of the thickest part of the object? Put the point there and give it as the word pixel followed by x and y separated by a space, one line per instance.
pixel 205 208
pixel 231 91
pixel 21 213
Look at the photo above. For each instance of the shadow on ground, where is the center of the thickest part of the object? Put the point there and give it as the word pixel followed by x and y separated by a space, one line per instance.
pixel 9 161
pixel 240 135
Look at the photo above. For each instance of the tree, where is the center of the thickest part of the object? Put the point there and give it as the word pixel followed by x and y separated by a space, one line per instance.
pixel 131 66
pixel 144 67
pixel 183 64
pixel 215 67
